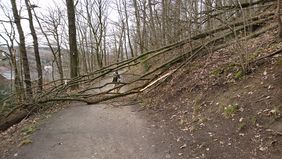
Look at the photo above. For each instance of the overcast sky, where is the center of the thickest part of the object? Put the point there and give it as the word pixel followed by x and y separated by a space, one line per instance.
pixel 44 5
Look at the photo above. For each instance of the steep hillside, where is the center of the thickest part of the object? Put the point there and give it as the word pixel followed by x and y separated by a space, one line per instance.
pixel 212 110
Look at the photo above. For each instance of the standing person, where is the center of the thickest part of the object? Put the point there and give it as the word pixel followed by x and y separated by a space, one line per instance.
pixel 116 80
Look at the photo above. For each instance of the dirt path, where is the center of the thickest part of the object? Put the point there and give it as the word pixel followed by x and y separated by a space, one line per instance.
pixel 94 132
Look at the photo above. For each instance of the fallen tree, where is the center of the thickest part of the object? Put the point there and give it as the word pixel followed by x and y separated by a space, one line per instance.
pixel 91 93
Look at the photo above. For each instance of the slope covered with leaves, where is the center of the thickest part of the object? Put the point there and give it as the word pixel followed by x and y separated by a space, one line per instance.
pixel 212 110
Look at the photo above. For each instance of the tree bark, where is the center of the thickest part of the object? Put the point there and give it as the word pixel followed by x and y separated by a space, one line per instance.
pixel 18 81
pixel 55 33
pixel 22 47
pixel 35 45
pixel 138 26
pixel 72 41
pixel 127 29
pixel 164 21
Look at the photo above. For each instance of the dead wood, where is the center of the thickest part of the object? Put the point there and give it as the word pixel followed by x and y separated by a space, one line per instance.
pixel 215 39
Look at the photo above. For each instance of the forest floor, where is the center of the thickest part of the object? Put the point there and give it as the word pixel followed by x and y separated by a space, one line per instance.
pixel 212 110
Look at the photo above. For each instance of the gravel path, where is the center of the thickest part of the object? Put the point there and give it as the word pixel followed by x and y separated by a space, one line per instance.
pixel 94 132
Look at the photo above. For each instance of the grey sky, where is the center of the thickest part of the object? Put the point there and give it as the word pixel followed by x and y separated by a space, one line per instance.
pixel 44 5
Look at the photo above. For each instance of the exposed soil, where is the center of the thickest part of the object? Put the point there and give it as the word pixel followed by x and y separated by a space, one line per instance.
pixel 213 111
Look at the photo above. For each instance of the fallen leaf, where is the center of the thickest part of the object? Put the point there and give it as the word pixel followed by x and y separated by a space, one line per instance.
pixel 183 146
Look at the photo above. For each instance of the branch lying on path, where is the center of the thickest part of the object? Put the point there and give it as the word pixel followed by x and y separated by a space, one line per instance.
pixel 113 97
pixel 54 93
pixel 175 60
pixel 199 49
pixel 157 80
pixel 123 64
pixel 106 70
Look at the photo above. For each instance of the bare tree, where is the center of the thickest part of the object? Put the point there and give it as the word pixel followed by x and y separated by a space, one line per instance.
pixel 127 28
pixel 74 64
pixel 92 23
pixel 35 46
pixel 27 78
pixel 138 26
pixel 53 22
pixel 153 30
pixel 164 18
pixel 83 45
pixel 9 42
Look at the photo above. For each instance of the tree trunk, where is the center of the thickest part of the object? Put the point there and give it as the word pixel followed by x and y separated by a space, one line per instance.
pixel 18 82
pixel 208 9
pixel 138 26
pixel 82 39
pixel 36 50
pixel 128 30
pixel 72 41
pixel 57 60
pixel 144 31
pixel 27 79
